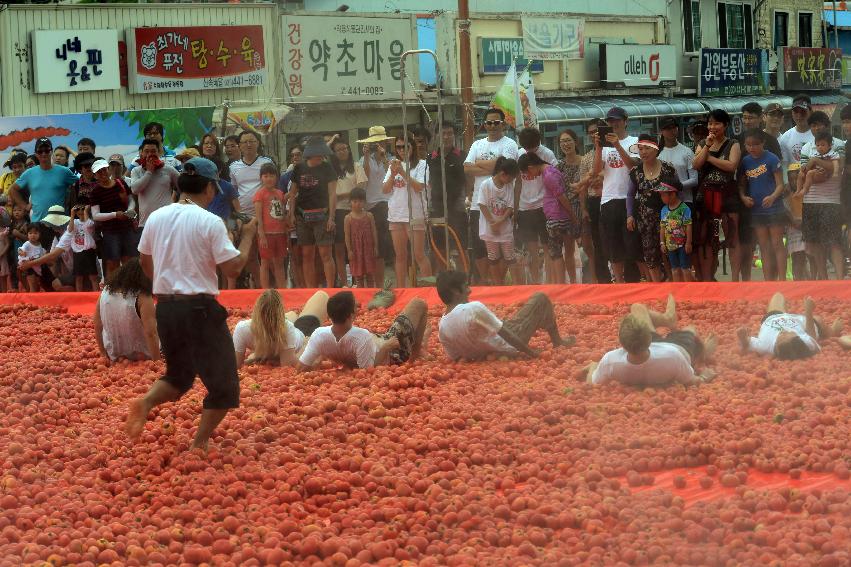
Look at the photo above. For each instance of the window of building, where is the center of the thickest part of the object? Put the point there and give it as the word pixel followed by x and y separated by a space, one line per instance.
pixel 805 29
pixel 691 26
pixel 781 29
pixel 735 25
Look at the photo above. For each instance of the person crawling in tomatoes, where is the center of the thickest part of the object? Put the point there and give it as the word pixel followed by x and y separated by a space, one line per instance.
pixel 787 336
pixel 646 358
pixel 470 331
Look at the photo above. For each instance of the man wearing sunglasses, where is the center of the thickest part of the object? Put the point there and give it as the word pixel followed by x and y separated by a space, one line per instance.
pixel 480 163
pixel 47 184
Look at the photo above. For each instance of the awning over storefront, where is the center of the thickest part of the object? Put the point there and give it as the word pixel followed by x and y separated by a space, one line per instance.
pixel 734 104
pixel 581 109
pixel 262 117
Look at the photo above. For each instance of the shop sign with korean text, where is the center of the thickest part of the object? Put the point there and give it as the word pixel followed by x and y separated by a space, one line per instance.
pixel 553 37
pixel 195 58
pixel 75 60
pixel 626 66
pixel 809 69
pixel 497 53
pixel 347 58
pixel 734 72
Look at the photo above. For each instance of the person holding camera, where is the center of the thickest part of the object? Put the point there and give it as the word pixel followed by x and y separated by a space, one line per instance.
pixel 111 209
pixel 375 164
pixel 82 230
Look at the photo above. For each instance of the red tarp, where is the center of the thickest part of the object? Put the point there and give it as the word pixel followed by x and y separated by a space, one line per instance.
pixel 600 294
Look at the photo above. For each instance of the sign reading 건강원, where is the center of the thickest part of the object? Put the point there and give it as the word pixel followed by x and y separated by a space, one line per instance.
pixel 195 58
pixel 346 58
pixel 733 72
pixel 75 60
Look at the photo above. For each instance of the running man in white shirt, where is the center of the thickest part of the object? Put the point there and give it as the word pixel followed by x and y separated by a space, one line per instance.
pixel 649 359
pixel 181 247
pixel 470 331
pixel 787 336
pixel 355 347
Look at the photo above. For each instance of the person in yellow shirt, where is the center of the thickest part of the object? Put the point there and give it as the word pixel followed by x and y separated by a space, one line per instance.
pixel 16 163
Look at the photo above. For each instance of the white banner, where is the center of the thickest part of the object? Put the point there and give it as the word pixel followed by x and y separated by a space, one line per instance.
pixel 75 60
pixel 553 37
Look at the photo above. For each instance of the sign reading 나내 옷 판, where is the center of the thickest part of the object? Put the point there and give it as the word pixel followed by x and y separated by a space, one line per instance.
pixel 347 58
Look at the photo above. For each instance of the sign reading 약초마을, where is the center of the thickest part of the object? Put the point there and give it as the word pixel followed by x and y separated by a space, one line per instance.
pixel 346 58
pixel 75 60
pixel 733 72
pixel 809 68
pixel 194 58
pixel 624 66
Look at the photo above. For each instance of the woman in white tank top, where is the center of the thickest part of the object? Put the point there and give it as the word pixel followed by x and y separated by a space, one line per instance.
pixel 125 319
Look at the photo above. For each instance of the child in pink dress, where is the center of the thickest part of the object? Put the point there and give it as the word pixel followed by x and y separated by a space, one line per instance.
pixel 361 240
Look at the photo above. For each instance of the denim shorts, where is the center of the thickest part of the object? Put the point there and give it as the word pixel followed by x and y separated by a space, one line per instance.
pixel 679 259
pixel 117 245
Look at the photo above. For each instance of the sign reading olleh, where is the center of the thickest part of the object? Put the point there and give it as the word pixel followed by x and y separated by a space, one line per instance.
pixel 624 66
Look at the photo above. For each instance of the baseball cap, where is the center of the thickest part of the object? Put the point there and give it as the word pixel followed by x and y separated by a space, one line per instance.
pixel 204 168
pixel 617 113
pixel 668 122
pixel 802 101
pixel 116 158
pixel 773 107
pixel 43 142
pixel 99 164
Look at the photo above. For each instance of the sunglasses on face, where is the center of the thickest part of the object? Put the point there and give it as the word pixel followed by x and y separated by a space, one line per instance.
pixel 493 122
pixel 42 152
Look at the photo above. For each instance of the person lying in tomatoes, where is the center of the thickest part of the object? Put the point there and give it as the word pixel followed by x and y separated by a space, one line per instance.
pixel 355 347
pixel 787 336
pixel 646 358
pixel 470 331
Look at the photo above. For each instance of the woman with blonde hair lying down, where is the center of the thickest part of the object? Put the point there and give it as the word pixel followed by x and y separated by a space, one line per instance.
pixel 273 336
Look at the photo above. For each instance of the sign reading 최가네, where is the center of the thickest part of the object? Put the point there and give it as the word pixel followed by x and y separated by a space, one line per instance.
pixel 75 60
pixel 624 66
pixel 194 58
pixel 346 58
pixel 733 72
pixel 809 68
pixel 497 53
pixel 553 37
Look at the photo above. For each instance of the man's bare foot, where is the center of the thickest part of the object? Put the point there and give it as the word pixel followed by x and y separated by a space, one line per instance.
pixel 836 328
pixel 809 305
pixel 567 341
pixel 744 338
pixel 709 345
pixel 845 341
pixel 137 415
pixel 671 312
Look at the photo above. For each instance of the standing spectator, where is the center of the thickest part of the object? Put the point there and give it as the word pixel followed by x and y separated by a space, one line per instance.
pixel 375 164
pixel 82 228
pixel 717 159
pixel 350 175
pixel 86 145
pixel 16 164
pixel 47 185
pixel 795 138
pixel 456 184
pixel 406 209
pixel 675 233
pixel 6 283
pixel 110 201
pixel 496 224
pixel 29 251
pixel 156 131
pixel 180 249
pixel 592 185
pixel 296 272
pixel 564 228
pixel 752 115
pixel 621 244
pixel 845 194
pixel 761 189
pixel 822 210
pixel 154 181
pixel 226 201
pixel 211 149
pixel 287 175
pixel 529 202
pixel 680 156
pixel 312 209
pixel 117 168
pixel 80 192
pixel 480 162
pixel 361 240
pixel 231 149
pixel 791 143
pixel 32 161
pixel 644 205
pixel 61 155
pixel 272 229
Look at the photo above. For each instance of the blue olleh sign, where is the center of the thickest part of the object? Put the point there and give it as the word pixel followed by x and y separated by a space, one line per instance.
pixel 733 72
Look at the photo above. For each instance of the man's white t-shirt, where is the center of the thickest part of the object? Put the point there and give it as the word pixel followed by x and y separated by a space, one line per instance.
pixel 243 339
pixel 471 332
pixel 486 150
pixel 397 207
pixel 497 200
pixel 532 186
pixel 246 179
pixel 682 158
pixel 375 182
pixel 186 243
pixel 357 348
pixel 827 191
pixel 792 142
pixel 616 182
pixel 667 364
pixel 776 324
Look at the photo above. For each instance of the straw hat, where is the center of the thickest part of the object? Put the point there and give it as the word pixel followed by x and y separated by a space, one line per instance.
pixel 187 154
pixel 56 216
pixel 376 134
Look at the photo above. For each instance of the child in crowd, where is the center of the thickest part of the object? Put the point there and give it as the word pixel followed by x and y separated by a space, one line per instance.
pixel 83 246
pixel 31 250
pixel 675 233
pixel 361 240
pixel 826 159
pixel 272 228
pixel 5 271
pixel 18 237
pixel 496 202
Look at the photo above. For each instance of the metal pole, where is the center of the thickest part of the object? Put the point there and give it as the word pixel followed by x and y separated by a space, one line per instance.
pixel 466 72
pixel 225 108
pixel 439 129
pixel 835 27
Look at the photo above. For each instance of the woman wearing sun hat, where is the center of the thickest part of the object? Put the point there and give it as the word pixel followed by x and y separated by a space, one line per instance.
pixel 375 164
pixel 643 204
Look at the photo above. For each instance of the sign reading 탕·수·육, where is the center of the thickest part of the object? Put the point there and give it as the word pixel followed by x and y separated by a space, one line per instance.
pixel 346 58
pixel 733 72
pixel 75 60
pixel 623 66
pixel 195 58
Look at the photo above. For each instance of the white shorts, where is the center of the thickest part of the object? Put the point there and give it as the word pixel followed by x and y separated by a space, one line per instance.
pixel 794 240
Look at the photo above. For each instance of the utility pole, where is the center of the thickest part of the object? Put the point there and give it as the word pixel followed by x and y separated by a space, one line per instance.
pixel 466 72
